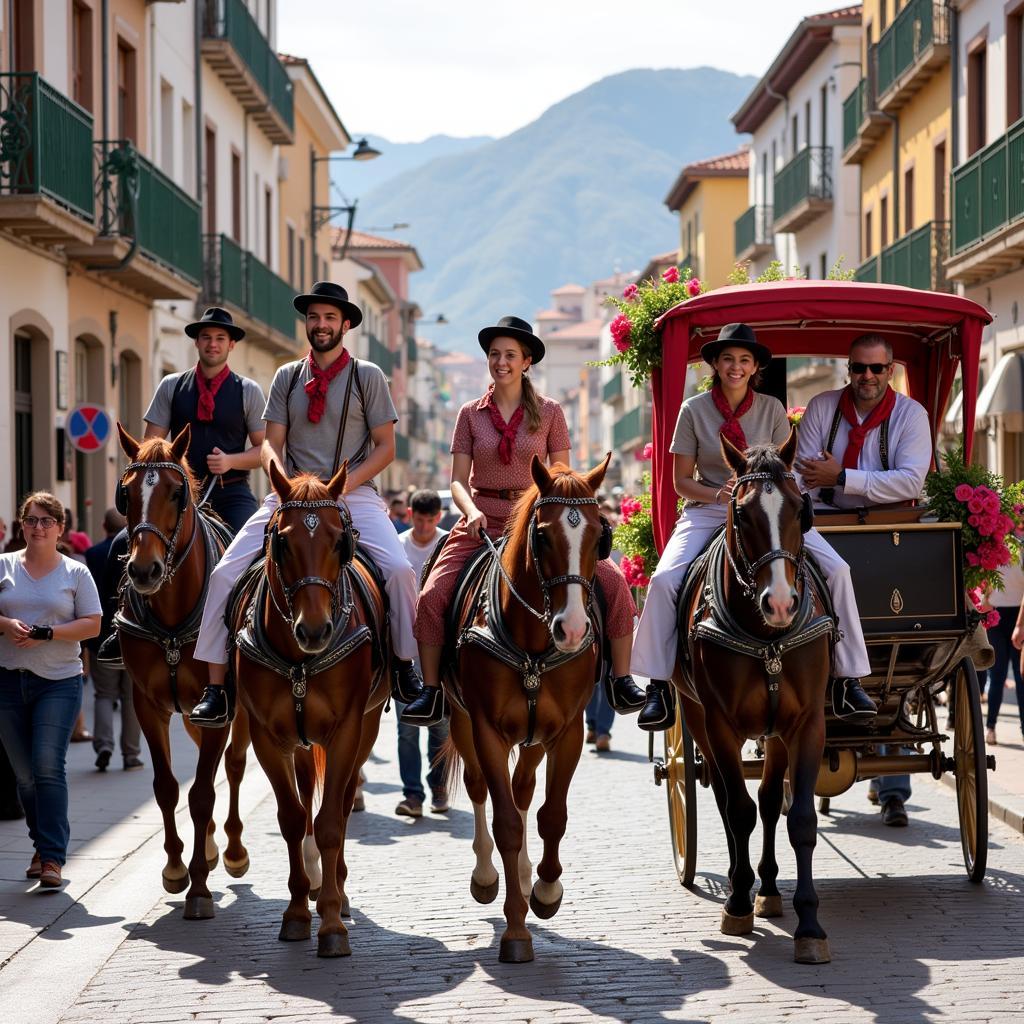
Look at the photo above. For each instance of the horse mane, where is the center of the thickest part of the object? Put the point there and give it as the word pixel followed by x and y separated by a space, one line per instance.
pixel 565 483
pixel 307 487
pixel 159 449
pixel 765 458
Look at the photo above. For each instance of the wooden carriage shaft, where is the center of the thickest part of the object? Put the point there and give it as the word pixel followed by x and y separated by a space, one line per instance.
pixel 869 766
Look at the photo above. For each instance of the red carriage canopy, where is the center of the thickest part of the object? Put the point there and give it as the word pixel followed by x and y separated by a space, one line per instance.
pixel 932 333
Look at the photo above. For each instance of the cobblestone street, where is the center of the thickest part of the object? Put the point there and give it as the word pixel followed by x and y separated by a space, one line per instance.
pixel 912 940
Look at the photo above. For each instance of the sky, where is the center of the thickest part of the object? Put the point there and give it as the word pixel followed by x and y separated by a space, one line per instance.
pixel 407 69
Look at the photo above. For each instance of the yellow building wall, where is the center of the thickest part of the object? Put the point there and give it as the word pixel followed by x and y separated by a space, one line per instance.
pixel 712 208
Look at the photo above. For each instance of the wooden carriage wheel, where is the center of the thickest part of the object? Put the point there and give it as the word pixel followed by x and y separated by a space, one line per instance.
pixel 681 781
pixel 970 769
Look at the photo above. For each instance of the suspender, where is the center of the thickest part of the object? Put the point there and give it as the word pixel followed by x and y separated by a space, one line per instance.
pixel 883 438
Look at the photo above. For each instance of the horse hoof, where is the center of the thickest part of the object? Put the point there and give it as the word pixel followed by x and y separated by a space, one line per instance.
pixel 768 906
pixel 294 931
pixel 544 910
pixel 516 951
pixel 175 884
pixel 346 907
pixel 737 925
pixel 236 868
pixel 812 951
pixel 314 894
pixel 483 893
pixel 212 862
pixel 199 908
pixel 335 944
pixel 359 803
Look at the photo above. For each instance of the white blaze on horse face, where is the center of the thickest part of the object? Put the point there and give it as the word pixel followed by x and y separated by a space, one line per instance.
pixel 149 482
pixel 573 617
pixel 780 593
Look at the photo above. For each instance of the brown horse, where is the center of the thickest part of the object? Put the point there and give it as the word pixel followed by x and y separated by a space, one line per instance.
pixel 756 660
pixel 172 551
pixel 523 677
pixel 312 648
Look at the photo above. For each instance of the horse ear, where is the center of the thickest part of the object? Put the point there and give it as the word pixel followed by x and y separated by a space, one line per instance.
pixel 540 474
pixel 733 457
pixel 336 485
pixel 596 476
pixel 180 444
pixel 788 451
pixel 281 484
pixel 128 443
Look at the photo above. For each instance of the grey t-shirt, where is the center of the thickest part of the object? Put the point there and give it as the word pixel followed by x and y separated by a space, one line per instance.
pixel 697 432
pixel 309 447
pixel 159 411
pixel 63 595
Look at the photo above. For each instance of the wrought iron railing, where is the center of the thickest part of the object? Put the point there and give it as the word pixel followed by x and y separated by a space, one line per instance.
pixel 867 271
pixel 630 427
pixel 916 260
pixel 45 143
pixel 380 354
pixel 854 110
pixel 920 24
pixel 411 353
pixel 752 227
pixel 807 175
pixel 402 447
pixel 613 387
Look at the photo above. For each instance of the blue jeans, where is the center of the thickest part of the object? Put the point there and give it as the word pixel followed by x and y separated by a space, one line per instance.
pixel 410 762
pixel 599 714
pixel 36 719
pixel 893 785
pixel 1006 658
pixel 234 503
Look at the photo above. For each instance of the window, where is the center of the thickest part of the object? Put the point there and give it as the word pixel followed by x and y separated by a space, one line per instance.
pixel 236 196
pixel 127 122
pixel 188 147
pixel 794 141
pixel 868 238
pixel 291 255
pixel 302 264
pixel 81 55
pixel 940 182
pixel 1015 66
pixel 883 222
pixel 823 266
pixel 807 123
pixel 167 128
pixel 211 180
pixel 23 448
pixel 268 224
pixel 824 115
pixel 976 72
pixel 24 35
pixel 764 180
pixel 908 200
pixel 883 16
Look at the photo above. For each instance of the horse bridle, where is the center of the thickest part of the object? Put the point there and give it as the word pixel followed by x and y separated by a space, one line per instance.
pixel 546 585
pixel 746 572
pixel 340 596
pixel 171 562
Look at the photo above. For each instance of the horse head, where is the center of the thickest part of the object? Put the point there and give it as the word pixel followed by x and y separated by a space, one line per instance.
pixel 564 534
pixel 311 540
pixel 154 495
pixel 765 527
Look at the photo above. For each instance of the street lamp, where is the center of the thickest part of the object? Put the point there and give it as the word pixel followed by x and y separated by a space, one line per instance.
pixel 440 320
pixel 320 215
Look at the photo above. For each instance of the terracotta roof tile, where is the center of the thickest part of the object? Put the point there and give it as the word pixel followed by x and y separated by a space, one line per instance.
pixel 728 165
pixel 570 289
pixel 585 330
pixel 362 240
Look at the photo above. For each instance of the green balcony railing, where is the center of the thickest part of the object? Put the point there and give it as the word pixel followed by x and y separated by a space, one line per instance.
pixel 853 113
pixel 808 175
pixel 381 355
pixel 613 387
pixel 45 144
pixel 138 201
pixel 270 297
pixel 629 428
pixel 411 353
pixel 916 259
pixel 401 447
pixel 920 24
pixel 231 20
pixel 867 271
pixel 988 189
pixel 752 227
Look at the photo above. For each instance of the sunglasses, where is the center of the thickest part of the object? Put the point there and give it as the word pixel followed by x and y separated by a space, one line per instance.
pixel 46 522
pixel 875 368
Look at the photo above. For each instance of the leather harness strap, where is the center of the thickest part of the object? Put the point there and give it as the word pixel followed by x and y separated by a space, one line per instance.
pixel 828 494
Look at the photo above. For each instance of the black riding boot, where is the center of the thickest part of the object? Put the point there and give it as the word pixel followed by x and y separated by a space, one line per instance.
pixel 427 709
pixel 405 681
pixel 212 711
pixel 623 694
pixel 850 702
pixel 109 652
pixel 659 711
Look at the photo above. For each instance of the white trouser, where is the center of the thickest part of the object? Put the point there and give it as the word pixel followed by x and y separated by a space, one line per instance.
pixel 655 642
pixel 376 534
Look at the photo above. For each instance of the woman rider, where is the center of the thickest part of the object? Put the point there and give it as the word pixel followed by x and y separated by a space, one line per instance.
pixel 495 440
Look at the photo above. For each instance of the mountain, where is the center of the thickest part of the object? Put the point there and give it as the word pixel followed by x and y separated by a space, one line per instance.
pixel 399 158
pixel 572 196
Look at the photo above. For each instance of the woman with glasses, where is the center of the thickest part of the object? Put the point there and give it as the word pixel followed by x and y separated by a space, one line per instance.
pixel 48 605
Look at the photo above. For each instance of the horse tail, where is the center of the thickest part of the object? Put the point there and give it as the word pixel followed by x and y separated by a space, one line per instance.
pixel 448 755
pixel 319 769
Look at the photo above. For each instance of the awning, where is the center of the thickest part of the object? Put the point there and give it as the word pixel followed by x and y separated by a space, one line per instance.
pixel 1004 390
pixel 954 418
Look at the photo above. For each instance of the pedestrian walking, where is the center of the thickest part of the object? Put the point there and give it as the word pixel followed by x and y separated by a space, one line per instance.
pixel 398 512
pixel 419 542
pixel 48 606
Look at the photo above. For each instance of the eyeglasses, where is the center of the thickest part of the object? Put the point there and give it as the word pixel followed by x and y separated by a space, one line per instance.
pixel 875 368
pixel 46 522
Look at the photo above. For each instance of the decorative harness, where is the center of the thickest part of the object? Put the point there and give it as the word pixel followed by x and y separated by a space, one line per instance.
pixel 494 638
pixel 712 620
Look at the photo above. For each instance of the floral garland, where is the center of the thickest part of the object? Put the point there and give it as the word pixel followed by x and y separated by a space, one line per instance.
pixel 634 536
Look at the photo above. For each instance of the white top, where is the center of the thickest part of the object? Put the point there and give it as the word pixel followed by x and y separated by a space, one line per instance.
pixel 910 451
pixel 419 553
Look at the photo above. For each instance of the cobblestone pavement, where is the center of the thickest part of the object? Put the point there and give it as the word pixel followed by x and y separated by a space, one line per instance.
pixel 912 940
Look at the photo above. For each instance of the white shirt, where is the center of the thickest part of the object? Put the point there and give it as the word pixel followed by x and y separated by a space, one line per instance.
pixel 910 451
pixel 419 553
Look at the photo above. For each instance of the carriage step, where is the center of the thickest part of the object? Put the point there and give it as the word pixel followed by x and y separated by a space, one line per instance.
pixel 660 772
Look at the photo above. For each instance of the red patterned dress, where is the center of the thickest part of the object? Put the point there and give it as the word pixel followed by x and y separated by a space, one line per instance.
pixel 476 436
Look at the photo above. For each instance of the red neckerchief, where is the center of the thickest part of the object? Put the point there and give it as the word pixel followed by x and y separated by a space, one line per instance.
pixel 859 431
pixel 317 387
pixel 731 428
pixel 508 430
pixel 208 391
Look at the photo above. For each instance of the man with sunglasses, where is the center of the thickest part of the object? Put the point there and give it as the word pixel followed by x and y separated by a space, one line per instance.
pixel 865 445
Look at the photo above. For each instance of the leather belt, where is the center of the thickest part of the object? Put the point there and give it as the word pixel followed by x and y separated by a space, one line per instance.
pixel 503 495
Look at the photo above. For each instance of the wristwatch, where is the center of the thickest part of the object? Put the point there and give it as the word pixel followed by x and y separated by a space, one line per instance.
pixel 41 633
pixel 841 479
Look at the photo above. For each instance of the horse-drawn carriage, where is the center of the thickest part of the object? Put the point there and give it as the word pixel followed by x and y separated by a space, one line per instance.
pixel 907 570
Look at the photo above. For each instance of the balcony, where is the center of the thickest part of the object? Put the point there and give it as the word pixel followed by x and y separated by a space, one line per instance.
pixel 752 233
pixel 863 124
pixel 867 271
pixel 402 447
pixel 613 388
pixel 988 210
pixel 381 355
pixel 911 51
pixel 915 261
pixel 46 183
pixel 149 232
pixel 630 429
pixel 803 189
pixel 237 50
pixel 411 354
pixel 259 300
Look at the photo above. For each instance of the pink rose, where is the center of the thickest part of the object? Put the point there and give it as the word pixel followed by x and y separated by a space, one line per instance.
pixel 991 620
pixel 974 521
pixel 629 508
pixel 972 558
pixel 630 292
pixel 987 525
pixel 976 504
pixel 621 329
pixel 648 451
pixel 964 493
pixel 670 276
pixel 693 287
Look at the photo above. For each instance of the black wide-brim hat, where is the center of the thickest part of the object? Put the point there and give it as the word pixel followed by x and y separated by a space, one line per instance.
pixel 737 336
pixel 328 291
pixel 513 327
pixel 216 317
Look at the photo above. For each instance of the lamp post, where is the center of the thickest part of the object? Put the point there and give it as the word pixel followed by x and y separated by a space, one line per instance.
pixel 320 215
